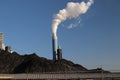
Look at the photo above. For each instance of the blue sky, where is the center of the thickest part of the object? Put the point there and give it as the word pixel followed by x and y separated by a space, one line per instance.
pixel 95 42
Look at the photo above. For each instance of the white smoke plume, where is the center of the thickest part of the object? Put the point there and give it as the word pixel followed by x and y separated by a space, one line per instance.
pixel 74 24
pixel 72 10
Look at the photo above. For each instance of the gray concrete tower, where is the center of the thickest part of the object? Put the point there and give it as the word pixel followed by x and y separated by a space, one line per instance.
pixel 1 42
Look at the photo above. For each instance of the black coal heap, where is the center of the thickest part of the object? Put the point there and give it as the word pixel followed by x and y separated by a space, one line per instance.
pixel 15 63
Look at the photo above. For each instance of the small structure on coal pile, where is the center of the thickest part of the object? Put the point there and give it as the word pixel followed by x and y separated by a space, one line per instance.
pixel 2 46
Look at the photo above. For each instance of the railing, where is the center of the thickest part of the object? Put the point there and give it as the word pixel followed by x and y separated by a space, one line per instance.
pixel 61 75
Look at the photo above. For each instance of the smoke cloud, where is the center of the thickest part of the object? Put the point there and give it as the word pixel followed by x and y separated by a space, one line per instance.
pixel 72 10
pixel 74 24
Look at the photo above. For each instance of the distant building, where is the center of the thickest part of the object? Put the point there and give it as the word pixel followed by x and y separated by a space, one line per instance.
pixel 2 46
pixel 8 49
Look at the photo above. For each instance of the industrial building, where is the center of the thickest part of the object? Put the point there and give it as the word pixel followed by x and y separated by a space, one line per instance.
pixel 8 49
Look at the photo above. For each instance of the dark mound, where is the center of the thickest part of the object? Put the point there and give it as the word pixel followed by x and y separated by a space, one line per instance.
pixel 15 63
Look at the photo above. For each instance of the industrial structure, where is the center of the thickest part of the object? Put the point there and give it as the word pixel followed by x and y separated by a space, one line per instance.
pixel 57 51
pixel 8 49
pixel 2 46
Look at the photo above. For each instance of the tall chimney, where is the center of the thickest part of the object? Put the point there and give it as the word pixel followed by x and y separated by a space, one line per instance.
pixel 54 46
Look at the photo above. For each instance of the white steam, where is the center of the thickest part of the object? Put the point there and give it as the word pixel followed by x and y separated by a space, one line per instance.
pixel 74 24
pixel 72 10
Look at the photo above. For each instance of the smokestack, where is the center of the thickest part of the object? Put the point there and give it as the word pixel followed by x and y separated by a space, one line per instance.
pixel 59 53
pixel 72 10
pixel 54 46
